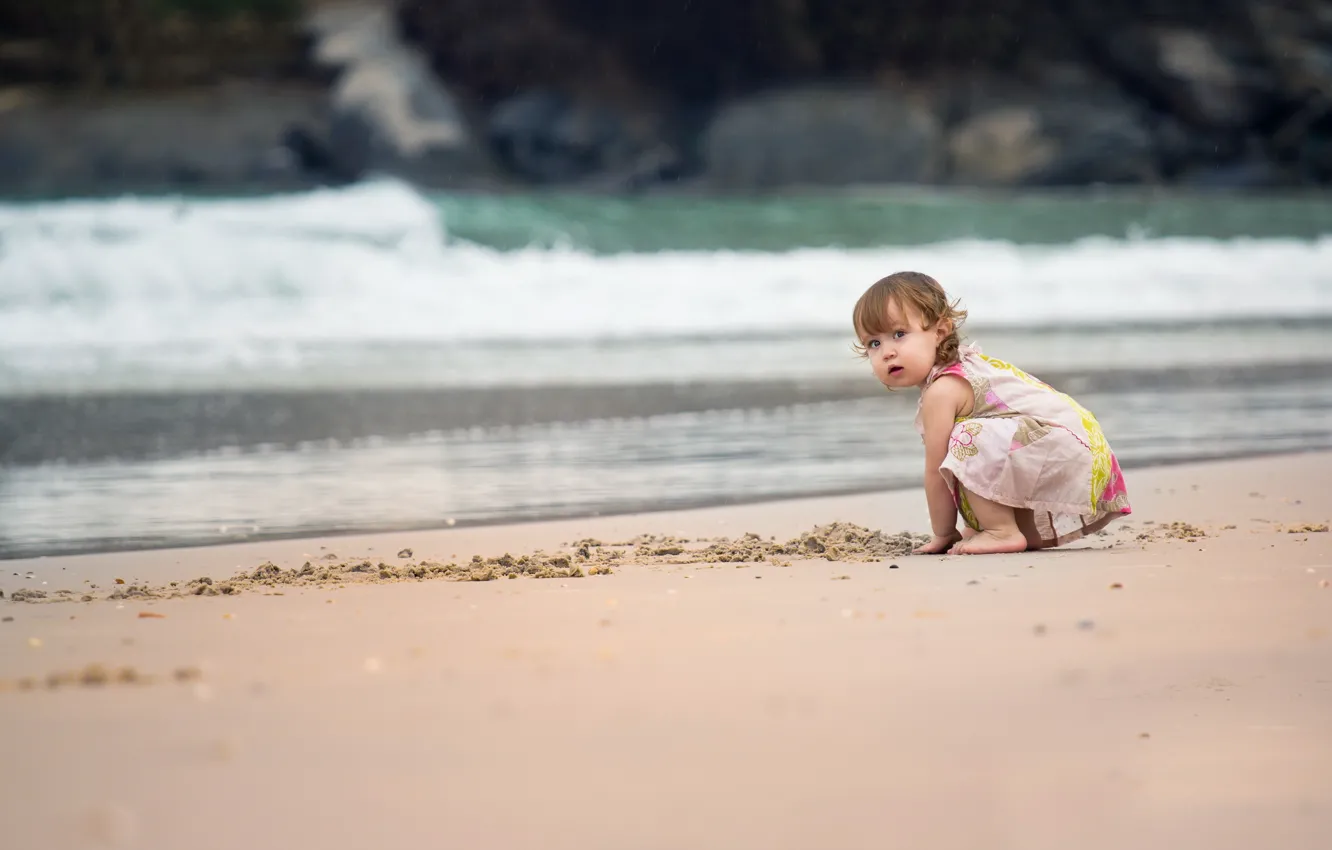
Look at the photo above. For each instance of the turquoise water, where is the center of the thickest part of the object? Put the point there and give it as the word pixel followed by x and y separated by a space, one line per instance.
pixel 616 225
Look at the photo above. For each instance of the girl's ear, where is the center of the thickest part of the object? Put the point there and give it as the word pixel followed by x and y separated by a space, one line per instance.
pixel 942 329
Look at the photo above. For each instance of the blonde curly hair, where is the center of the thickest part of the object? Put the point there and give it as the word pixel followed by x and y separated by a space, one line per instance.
pixel 911 293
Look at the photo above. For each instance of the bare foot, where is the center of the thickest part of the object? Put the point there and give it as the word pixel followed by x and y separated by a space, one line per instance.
pixel 968 532
pixel 937 544
pixel 991 543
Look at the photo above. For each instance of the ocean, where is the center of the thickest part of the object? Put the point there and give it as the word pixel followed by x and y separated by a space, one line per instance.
pixel 188 370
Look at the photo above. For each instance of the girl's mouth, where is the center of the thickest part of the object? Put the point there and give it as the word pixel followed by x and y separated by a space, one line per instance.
pixel 893 370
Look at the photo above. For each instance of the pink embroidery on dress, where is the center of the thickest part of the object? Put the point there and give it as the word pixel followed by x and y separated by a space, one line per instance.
pixel 992 398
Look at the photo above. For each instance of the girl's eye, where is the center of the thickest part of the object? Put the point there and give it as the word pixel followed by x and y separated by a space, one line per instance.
pixel 874 343
pixel 898 334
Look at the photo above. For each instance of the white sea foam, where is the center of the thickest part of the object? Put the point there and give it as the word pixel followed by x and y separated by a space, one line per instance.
pixel 242 283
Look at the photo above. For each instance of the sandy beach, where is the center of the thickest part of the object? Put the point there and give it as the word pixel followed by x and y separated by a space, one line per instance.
pixel 1168 684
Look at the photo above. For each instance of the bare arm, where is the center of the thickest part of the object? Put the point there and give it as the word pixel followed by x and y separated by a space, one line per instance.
pixel 939 408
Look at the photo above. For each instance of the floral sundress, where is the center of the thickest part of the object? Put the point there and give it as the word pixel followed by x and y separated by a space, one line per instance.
pixel 1027 445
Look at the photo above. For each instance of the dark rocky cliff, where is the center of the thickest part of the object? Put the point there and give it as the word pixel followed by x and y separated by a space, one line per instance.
pixel 1008 91
pixel 744 95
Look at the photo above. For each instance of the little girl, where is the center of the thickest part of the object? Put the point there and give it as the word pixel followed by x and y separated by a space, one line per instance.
pixel 1025 465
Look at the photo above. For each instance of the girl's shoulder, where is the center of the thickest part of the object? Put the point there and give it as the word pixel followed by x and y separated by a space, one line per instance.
pixel 956 397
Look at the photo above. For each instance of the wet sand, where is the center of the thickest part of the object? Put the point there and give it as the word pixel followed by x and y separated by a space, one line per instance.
pixel 1166 685
pixel 124 426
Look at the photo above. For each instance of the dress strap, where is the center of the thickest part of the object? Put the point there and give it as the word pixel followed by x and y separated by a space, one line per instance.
pixel 956 367
pixel 951 369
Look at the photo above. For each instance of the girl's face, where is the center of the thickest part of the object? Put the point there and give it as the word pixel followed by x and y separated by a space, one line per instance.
pixel 903 355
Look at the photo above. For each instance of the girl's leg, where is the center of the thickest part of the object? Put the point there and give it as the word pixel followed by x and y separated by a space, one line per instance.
pixel 1026 521
pixel 999 532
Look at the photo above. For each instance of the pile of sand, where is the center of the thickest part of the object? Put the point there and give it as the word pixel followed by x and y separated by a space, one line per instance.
pixel 837 541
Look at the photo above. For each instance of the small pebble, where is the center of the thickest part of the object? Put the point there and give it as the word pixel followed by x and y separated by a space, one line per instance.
pixel 94 675
pixel 35 643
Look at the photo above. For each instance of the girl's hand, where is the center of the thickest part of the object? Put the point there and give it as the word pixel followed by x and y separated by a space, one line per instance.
pixel 939 543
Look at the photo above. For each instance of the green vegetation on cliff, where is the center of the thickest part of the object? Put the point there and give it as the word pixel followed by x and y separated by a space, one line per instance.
pixel 146 43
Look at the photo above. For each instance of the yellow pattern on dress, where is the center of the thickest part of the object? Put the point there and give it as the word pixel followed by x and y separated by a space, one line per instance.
pixel 1100 448
pixel 968 515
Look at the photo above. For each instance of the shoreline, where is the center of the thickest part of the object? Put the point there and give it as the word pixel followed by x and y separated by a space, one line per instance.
pixel 288 488
pixel 629 510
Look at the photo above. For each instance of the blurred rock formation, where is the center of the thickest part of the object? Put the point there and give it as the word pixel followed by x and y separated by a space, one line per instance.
pixel 751 95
